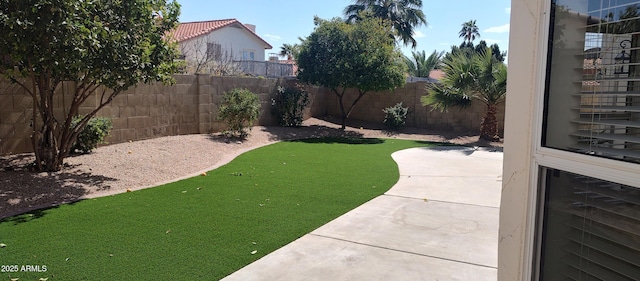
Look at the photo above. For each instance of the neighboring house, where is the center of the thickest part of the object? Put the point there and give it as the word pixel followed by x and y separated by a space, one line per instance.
pixel 214 46
pixel 570 205
pixel 434 77
pixel 292 63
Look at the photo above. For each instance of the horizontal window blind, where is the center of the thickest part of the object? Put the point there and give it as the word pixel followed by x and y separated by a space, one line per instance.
pixel 589 229
pixel 602 46
pixel 596 229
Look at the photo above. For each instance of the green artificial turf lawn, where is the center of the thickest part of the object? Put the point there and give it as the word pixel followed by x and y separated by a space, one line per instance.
pixel 206 227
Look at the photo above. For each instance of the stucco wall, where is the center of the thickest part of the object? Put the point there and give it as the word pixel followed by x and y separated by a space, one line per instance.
pixel 232 39
pixel 515 236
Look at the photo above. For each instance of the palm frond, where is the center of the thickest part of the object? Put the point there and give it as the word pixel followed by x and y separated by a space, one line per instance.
pixel 434 61
pixel 491 77
pixel 442 97
pixel 420 65
pixel 481 77
pixel 404 15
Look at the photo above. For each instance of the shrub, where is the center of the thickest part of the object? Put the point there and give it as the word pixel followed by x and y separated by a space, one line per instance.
pixel 239 109
pixel 289 104
pixel 395 116
pixel 92 134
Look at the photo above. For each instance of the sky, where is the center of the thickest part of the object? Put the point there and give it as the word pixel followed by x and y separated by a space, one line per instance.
pixel 283 21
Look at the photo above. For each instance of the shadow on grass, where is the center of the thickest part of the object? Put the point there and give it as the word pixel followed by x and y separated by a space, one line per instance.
pixel 23 190
pixel 27 217
pixel 467 138
pixel 341 140
pixel 309 132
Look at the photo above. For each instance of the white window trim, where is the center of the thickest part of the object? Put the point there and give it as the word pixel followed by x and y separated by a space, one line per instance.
pixel 248 51
pixel 531 251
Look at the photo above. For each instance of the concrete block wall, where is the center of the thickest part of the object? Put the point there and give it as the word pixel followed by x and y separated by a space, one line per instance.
pixel 370 107
pixel 15 117
pixel 153 110
pixel 212 89
pixel 190 106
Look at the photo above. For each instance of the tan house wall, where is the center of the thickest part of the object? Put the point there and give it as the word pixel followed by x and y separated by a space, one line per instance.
pixel 190 106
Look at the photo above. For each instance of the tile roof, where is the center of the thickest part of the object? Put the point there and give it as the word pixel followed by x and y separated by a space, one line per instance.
pixel 437 74
pixel 188 30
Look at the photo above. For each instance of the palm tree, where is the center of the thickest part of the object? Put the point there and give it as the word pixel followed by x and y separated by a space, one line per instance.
pixel 421 65
pixel 289 51
pixel 469 31
pixel 405 15
pixel 481 77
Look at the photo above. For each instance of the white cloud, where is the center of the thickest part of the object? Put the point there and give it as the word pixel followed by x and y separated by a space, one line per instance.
pixel 418 34
pixel 273 37
pixel 498 29
pixel 507 10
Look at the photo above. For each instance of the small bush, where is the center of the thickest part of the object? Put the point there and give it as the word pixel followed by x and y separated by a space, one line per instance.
pixel 395 117
pixel 289 104
pixel 239 109
pixel 94 133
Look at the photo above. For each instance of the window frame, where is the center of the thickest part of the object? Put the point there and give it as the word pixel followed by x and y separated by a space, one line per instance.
pixel 607 169
pixel 250 55
pixel 621 172
pixel 214 51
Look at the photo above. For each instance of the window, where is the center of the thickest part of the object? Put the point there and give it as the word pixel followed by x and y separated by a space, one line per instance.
pixel 589 228
pixel 248 55
pixel 214 51
pixel 592 102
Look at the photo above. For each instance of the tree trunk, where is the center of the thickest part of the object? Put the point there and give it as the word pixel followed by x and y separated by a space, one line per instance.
pixel 342 111
pixel 48 143
pixel 346 114
pixel 489 125
pixel 44 137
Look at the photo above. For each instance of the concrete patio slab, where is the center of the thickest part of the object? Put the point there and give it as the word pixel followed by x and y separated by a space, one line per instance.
pixel 449 161
pixel 460 232
pixel 316 258
pixel 444 177
pixel 467 190
pixel 452 235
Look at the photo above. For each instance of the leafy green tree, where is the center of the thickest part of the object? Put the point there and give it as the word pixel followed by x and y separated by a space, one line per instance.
pixel 627 20
pixel 469 49
pixel 104 47
pixel 495 51
pixel 421 65
pixel 340 56
pixel 481 77
pixel 405 15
